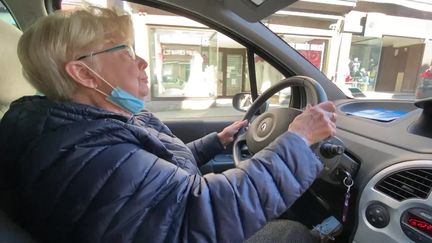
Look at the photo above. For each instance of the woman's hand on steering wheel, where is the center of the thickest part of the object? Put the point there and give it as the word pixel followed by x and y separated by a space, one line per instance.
pixel 228 133
pixel 315 123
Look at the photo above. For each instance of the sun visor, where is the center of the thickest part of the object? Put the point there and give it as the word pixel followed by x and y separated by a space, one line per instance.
pixel 256 10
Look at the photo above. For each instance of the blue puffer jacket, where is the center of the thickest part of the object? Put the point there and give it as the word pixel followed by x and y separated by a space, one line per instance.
pixel 89 175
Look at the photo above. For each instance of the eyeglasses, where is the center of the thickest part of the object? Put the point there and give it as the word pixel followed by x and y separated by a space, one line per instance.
pixel 129 49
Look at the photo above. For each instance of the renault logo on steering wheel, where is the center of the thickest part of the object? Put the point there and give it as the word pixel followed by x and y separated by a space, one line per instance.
pixel 263 126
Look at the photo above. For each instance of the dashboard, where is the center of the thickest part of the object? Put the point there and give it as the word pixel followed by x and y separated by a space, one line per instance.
pixel 394 177
pixel 395 206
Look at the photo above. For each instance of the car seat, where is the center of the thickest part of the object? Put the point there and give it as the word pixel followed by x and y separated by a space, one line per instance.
pixel 12 83
pixel 12 86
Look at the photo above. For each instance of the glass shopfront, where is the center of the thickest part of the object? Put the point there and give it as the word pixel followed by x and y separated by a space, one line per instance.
pixel 182 65
pixel 201 63
pixel 363 63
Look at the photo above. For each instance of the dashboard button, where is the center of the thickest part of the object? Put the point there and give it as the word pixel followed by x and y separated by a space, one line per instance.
pixel 377 215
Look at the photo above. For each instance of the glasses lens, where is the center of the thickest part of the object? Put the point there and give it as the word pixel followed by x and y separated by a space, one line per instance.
pixel 131 52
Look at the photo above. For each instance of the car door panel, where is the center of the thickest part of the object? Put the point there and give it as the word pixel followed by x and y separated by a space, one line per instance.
pixel 191 130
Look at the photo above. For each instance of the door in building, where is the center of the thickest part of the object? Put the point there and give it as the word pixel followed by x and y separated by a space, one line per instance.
pixel 231 71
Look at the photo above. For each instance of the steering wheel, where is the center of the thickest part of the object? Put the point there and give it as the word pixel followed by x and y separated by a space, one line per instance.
pixel 268 126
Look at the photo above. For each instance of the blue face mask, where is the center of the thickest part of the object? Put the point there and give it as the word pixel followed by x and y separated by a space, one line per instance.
pixel 120 97
pixel 125 100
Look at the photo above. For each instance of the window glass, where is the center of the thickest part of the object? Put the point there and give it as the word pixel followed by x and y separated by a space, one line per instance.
pixel 194 71
pixel 312 48
pixel 370 49
pixel 181 66
pixel 5 15
pixel 267 76
pixel 363 63
pixel 12 84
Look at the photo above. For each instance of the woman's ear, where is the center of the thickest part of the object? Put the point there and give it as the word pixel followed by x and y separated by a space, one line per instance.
pixel 81 74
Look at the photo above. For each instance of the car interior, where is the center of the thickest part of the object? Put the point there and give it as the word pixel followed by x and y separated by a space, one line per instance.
pixel 384 163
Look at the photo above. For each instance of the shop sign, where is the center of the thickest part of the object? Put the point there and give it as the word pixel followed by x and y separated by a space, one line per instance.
pixel 177 52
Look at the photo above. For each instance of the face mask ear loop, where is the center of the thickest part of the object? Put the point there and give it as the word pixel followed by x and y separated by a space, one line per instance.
pixel 100 77
pixel 101 92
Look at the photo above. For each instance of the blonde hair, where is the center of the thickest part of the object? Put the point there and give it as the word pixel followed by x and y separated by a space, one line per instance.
pixel 51 42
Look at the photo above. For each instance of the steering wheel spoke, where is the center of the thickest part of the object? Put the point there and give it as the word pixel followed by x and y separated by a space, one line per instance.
pixel 238 146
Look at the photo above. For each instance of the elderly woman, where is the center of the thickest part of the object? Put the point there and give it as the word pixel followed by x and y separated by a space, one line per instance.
pixel 90 165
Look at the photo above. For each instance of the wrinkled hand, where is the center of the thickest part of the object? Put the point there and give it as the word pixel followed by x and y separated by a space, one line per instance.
pixel 315 123
pixel 228 133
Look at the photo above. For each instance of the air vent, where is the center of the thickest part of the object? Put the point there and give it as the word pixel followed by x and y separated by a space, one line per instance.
pixel 414 183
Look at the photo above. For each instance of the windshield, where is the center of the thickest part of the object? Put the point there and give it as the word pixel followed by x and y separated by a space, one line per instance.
pixel 369 48
pixel 374 49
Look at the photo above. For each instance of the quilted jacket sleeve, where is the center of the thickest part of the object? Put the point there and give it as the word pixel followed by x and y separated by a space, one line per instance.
pixel 205 148
pixel 123 193
pixel 230 207
pixel 226 207
pixel 170 205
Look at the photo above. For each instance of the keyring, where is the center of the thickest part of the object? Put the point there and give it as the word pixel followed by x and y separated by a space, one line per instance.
pixel 345 182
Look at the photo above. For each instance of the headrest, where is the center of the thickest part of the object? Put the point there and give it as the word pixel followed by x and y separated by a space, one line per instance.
pixel 12 83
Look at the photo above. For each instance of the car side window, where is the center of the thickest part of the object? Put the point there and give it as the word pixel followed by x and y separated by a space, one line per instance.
pixel 12 83
pixel 194 71
pixel 268 76
pixel 5 15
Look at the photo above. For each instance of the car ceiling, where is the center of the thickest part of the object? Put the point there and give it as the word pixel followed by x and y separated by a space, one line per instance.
pixel 251 10
pixel 25 13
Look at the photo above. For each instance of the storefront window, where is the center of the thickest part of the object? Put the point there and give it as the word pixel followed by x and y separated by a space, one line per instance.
pixel 312 48
pixel 363 63
pixel 232 72
pixel 181 66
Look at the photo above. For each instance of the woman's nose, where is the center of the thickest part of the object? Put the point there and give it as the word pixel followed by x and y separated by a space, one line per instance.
pixel 142 64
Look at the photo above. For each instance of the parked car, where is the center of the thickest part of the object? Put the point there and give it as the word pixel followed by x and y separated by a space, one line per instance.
pixel 382 146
